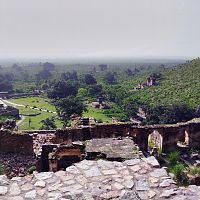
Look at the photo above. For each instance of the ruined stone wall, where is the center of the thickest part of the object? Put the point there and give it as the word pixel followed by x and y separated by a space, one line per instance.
pixel 99 131
pixel 194 134
pixel 110 130
pixel 169 135
pixel 16 143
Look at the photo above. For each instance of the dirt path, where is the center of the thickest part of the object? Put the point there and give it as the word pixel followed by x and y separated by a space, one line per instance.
pixel 21 120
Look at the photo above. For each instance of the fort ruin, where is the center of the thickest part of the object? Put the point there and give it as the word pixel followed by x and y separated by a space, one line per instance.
pixel 51 147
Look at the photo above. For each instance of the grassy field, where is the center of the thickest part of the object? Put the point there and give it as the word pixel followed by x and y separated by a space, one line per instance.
pixel 45 104
pixel 35 120
pixel 35 101
pixel 97 114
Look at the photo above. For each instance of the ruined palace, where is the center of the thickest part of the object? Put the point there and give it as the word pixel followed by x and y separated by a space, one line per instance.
pixel 57 142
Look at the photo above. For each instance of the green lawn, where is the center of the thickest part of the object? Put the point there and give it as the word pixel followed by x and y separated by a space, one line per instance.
pixel 35 101
pixel 97 114
pixel 45 104
pixel 35 120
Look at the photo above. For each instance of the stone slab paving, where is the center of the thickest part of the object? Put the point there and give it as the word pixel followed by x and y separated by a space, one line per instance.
pixel 89 180
pixel 113 148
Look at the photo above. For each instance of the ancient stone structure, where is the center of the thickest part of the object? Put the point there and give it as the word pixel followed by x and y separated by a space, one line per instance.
pixel 8 110
pixel 135 179
pixel 166 139
pixel 151 81
pixel 15 143
pixel 4 95
pixel 167 136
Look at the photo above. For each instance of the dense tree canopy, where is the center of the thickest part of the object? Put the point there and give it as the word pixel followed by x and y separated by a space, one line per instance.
pixel 5 84
pixel 90 80
pixel 63 89
pixel 68 106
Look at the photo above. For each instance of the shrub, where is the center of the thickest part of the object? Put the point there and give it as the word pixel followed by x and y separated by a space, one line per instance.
pixel 1 169
pixel 194 170
pixel 32 169
pixel 177 170
pixel 151 144
pixel 173 158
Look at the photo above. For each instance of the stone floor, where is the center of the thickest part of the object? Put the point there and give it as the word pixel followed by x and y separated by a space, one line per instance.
pixel 113 148
pixel 132 179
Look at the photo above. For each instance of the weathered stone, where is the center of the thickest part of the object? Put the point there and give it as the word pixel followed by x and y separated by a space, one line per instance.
pixel 14 189
pixel 54 187
pixel 109 172
pixel 60 173
pixel 16 179
pixel 110 195
pixel 72 170
pixel 152 161
pixel 26 187
pixel 43 175
pixel 158 173
pixel 117 186
pixel 41 192
pixel 67 177
pixel 16 198
pixel 168 193
pixel 4 180
pixel 82 180
pixel 143 195
pixel 31 195
pixel 54 195
pixel 142 186
pixel 128 177
pixel 70 188
pixel 135 168
pixel 166 183
pixel 153 180
pixel 124 172
pixel 181 197
pixel 129 184
pixel 69 182
pixel 151 194
pixel 93 171
pixel 3 190
pixel 105 164
pixel 132 161
pixel 83 165
pixel 41 184
pixel 143 171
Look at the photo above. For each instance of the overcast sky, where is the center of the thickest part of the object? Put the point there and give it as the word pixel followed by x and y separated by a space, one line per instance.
pixel 100 28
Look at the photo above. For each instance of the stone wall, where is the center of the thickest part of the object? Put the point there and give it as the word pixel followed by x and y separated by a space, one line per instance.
pixel 10 111
pixel 16 143
pixel 169 135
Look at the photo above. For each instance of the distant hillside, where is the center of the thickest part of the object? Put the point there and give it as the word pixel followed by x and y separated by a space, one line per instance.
pixel 179 84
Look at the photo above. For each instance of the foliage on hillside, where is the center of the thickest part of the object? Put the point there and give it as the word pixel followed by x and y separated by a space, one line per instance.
pixel 179 84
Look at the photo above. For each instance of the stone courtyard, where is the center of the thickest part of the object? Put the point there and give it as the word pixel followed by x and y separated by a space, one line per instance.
pixel 89 180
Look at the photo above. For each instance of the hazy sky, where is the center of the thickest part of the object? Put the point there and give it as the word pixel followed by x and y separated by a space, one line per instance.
pixel 98 28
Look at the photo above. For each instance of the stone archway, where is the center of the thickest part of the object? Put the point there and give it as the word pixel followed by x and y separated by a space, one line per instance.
pixel 155 140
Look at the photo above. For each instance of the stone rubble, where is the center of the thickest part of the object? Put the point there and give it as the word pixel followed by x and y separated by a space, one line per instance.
pixel 95 180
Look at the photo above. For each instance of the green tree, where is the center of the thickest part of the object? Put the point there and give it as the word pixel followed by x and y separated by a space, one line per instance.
pixel 48 124
pixel 110 78
pixel 62 89
pixel 68 106
pixel 90 80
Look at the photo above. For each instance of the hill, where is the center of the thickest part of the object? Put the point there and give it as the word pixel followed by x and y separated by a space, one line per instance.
pixel 179 84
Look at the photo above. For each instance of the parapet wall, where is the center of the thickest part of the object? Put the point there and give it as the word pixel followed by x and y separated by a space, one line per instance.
pixel 167 136
pixel 16 143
